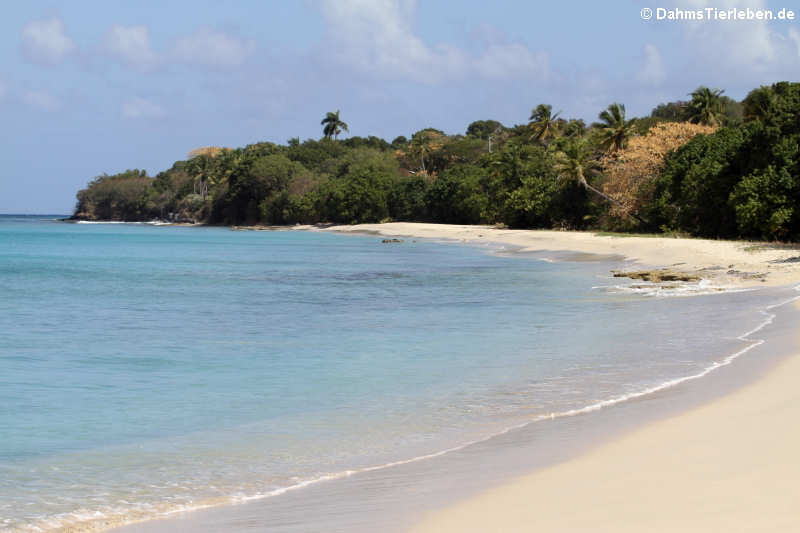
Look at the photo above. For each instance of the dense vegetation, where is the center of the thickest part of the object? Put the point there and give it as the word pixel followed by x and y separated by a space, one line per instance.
pixel 709 166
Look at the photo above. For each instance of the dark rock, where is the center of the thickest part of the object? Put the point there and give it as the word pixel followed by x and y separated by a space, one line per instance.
pixel 657 276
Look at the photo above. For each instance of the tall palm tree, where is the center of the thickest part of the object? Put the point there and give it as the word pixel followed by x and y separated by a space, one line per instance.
pixel 706 106
pixel 614 129
pixel 333 125
pixel 200 168
pixel 420 146
pixel 543 123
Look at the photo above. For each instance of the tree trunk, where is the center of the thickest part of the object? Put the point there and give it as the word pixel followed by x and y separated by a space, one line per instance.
pixel 609 199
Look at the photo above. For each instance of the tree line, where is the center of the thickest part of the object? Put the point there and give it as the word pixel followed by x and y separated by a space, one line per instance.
pixel 707 166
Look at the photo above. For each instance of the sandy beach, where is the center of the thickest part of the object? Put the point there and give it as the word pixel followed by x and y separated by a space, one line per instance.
pixel 727 466
pixel 727 263
pixel 726 463
pixel 730 465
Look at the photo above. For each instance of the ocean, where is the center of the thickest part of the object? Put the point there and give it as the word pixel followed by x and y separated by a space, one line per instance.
pixel 150 369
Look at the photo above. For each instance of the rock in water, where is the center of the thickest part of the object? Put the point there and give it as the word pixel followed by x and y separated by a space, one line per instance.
pixel 657 276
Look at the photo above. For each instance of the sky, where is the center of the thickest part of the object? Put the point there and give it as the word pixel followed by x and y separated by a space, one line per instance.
pixel 90 87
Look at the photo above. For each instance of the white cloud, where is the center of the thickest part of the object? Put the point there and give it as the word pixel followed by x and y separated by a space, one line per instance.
pixel 45 41
pixel 376 37
pixel 41 100
pixel 735 44
pixel 652 73
pixel 139 108
pixel 131 44
pixel 213 48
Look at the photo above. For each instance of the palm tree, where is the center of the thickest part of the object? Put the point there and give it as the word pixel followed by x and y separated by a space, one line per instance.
pixel 543 123
pixel 615 130
pixel 574 161
pixel 200 170
pixel 706 106
pixel 420 145
pixel 333 125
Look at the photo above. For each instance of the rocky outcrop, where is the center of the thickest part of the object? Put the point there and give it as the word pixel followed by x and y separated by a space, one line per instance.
pixel 658 275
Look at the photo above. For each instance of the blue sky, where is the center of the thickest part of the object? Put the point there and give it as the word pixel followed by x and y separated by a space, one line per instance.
pixel 88 87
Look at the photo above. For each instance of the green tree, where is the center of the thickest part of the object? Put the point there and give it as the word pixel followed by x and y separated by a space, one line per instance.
pixel 333 125
pixel 521 185
pixel 614 129
pixel 706 107
pixel 575 160
pixel 252 183
pixel 406 199
pixel 763 202
pixel 451 151
pixel 399 142
pixel 128 195
pixel 693 190
pixel 456 197
pixel 543 123
pixel 483 129
pixel 759 103
pixel 200 167
pixel 671 111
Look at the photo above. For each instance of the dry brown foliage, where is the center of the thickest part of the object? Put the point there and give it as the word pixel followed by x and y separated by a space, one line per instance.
pixel 210 151
pixel 628 172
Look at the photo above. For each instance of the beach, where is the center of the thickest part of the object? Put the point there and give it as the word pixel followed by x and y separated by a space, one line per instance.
pixel 712 454
pixel 729 263
pixel 390 266
pixel 376 377
pixel 728 466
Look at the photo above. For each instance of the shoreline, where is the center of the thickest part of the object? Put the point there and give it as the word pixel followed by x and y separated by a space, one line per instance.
pixel 728 464
pixel 465 477
pixel 729 263
pixel 526 241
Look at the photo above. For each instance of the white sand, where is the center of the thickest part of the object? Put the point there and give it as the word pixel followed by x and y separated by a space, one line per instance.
pixel 680 254
pixel 729 466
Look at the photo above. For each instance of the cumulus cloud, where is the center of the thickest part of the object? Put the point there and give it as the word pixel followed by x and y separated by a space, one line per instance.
pixel 131 44
pixel 140 108
pixel 652 72
pixel 41 100
pixel 376 37
pixel 213 48
pixel 750 44
pixel 45 41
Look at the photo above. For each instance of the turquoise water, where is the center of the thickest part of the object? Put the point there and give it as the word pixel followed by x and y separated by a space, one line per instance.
pixel 146 369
